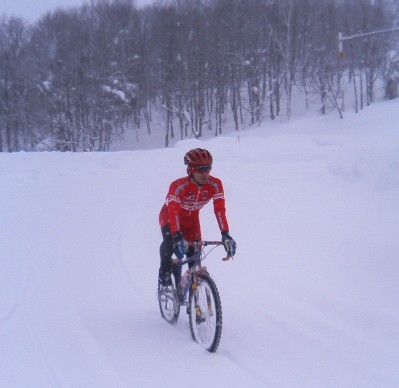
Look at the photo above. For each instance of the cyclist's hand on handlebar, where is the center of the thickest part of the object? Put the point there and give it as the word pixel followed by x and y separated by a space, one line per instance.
pixel 229 244
pixel 179 245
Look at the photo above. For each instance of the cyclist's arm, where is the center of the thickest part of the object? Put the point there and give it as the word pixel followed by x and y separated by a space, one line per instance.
pixel 219 207
pixel 173 203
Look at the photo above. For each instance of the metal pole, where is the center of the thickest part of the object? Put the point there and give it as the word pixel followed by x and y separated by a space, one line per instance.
pixel 364 34
pixel 341 38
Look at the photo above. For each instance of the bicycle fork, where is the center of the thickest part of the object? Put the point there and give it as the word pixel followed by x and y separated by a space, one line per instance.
pixel 208 301
pixel 199 316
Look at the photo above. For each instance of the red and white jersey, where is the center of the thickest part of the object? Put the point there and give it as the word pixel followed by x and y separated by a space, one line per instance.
pixel 184 201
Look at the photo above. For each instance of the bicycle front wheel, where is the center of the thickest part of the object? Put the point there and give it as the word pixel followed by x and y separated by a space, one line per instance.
pixel 205 313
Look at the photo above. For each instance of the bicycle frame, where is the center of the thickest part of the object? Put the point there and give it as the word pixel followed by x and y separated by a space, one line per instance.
pixel 196 269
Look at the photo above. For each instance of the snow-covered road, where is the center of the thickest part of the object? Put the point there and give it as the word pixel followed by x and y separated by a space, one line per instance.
pixel 311 299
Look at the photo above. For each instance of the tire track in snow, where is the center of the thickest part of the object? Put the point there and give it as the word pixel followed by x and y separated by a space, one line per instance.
pixel 38 350
pixel 120 262
pixel 21 289
pixel 241 364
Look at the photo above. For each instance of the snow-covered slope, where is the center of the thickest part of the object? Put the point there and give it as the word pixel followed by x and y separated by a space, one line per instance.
pixel 311 299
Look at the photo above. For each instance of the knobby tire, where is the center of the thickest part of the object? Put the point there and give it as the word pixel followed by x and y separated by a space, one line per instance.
pixel 209 332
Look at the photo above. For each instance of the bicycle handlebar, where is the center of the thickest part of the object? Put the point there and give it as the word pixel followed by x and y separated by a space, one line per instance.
pixel 198 245
pixel 205 243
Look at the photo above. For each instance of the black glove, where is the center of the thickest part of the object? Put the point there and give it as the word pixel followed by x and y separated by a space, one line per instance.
pixel 179 245
pixel 229 243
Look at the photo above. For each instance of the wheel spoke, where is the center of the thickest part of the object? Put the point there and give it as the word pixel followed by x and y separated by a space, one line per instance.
pixel 206 314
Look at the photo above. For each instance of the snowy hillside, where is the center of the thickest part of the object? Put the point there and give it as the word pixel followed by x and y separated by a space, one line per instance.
pixel 311 299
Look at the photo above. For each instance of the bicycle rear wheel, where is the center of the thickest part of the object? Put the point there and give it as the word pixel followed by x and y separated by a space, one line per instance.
pixel 205 313
pixel 168 299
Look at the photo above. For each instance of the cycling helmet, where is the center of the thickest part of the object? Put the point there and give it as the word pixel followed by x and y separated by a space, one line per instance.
pixel 198 157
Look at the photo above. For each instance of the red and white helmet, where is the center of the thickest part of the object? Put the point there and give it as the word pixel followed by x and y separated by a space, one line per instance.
pixel 198 157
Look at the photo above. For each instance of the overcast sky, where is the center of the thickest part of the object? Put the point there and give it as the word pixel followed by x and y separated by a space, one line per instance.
pixel 31 10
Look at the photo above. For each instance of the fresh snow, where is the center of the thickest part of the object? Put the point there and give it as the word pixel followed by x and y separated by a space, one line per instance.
pixel 310 300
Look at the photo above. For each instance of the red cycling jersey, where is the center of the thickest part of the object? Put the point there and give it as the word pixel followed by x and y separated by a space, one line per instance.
pixel 184 201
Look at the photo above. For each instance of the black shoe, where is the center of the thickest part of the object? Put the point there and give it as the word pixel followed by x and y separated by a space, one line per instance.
pixel 164 279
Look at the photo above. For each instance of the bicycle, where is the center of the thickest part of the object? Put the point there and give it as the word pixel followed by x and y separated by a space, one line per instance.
pixel 198 292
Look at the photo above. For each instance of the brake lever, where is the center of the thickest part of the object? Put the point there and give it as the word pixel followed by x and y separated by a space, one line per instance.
pixel 228 257
pixel 227 246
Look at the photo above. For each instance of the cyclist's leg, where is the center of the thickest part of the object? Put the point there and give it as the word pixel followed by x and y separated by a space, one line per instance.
pixel 191 230
pixel 165 252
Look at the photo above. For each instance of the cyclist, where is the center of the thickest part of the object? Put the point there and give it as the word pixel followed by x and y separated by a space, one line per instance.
pixel 179 216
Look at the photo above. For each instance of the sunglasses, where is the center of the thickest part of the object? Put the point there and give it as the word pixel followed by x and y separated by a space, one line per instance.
pixel 203 169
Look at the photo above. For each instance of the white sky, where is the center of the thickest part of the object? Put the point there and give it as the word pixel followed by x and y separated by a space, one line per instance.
pixel 33 10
